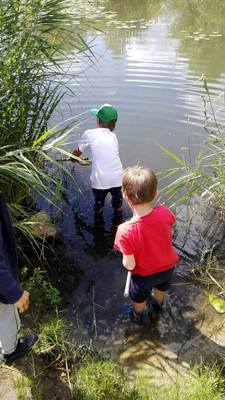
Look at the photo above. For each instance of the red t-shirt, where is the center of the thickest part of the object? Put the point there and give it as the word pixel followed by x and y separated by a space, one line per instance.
pixel 149 239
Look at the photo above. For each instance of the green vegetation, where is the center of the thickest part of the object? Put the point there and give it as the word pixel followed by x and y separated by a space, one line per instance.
pixel 31 70
pixel 32 83
pixel 199 26
pixel 99 379
pixel 104 380
pixel 24 386
pixel 203 174
pixel 32 77
pixel 45 297
pixel 90 375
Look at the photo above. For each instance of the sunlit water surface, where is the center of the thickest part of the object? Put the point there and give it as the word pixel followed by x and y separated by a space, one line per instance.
pixel 149 62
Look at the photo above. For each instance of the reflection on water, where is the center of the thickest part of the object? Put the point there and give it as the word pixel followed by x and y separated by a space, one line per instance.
pixel 152 55
pixel 90 275
pixel 199 27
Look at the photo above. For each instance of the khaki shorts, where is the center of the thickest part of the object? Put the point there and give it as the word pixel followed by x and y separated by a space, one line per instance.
pixel 9 327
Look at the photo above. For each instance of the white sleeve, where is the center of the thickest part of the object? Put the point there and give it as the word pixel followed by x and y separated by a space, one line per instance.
pixel 84 141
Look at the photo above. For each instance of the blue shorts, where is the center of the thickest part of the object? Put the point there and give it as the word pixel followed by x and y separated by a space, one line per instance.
pixel 141 285
pixel 100 195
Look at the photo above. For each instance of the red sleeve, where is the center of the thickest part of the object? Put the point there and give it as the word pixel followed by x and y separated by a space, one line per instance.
pixel 172 217
pixel 168 214
pixel 123 240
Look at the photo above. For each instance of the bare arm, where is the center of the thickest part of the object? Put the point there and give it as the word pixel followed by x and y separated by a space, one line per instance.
pixel 129 261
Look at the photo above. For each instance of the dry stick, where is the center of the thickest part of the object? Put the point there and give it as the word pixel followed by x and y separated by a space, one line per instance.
pixel 94 322
pixel 127 286
pixel 68 374
pixel 217 283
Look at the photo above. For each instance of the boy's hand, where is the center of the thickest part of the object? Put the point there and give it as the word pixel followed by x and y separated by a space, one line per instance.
pixel 77 152
pixel 129 262
pixel 23 303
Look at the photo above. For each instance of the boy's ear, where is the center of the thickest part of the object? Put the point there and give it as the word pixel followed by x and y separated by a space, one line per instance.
pixel 126 198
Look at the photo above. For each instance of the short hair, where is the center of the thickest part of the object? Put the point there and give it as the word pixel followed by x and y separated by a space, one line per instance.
pixel 139 184
pixel 111 125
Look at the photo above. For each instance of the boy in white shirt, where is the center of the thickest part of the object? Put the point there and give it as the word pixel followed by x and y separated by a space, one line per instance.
pixel 106 174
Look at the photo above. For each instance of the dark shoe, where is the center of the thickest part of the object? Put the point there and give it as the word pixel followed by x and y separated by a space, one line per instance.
pixel 24 345
pixel 154 309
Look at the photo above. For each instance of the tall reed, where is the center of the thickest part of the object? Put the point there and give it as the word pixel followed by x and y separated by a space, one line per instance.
pixel 203 173
pixel 36 37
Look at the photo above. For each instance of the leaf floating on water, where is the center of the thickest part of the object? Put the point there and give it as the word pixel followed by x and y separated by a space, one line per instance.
pixel 217 303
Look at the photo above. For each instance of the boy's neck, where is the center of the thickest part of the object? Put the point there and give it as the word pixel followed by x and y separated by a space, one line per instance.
pixel 140 210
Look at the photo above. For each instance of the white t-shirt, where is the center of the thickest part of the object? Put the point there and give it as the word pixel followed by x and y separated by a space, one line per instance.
pixel 106 165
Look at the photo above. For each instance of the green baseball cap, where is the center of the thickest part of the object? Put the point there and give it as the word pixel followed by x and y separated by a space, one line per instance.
pixel 106 113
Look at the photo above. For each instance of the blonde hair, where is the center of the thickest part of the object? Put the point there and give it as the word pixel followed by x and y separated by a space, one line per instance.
pixel 139 184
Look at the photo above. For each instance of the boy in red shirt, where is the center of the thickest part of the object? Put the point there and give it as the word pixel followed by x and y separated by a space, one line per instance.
pixel 146 242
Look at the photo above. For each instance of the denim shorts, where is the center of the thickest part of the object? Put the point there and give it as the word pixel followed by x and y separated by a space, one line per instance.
pixel 141 285
pixel 100 195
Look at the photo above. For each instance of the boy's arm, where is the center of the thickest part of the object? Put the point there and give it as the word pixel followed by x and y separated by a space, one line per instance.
pixel 83 144
pixel 123 243
pixel 129 261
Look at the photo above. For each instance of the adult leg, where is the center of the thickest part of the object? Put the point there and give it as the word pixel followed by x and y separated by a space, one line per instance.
pixel 9 327
pixel 13 347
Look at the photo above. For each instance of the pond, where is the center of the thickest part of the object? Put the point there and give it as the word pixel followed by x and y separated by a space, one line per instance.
pixel 149 62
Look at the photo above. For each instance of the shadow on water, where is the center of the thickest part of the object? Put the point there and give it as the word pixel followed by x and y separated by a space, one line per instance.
pixel 89 273
pixel 185 334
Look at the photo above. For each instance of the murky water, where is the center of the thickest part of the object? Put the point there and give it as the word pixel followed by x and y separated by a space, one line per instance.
pixel 149 63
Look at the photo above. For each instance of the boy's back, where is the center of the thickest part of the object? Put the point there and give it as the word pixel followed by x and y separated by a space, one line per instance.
pixel 106 164
pixel 146 243
pixel 149 239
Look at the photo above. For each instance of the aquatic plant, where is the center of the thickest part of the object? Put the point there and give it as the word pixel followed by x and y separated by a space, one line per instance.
pixel 35 39
pixel 38 40
pixel 202 173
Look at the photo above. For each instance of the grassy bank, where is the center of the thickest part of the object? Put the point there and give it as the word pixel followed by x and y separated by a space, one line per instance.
pixel 59 368
pixel 81 373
